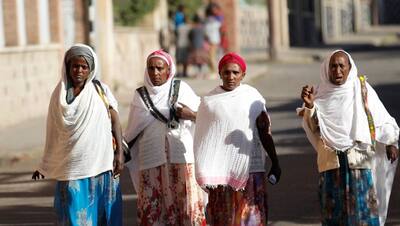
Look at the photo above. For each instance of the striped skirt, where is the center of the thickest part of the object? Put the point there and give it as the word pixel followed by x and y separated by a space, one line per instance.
pixel 227 207
pixel 91 201
pixel 347 196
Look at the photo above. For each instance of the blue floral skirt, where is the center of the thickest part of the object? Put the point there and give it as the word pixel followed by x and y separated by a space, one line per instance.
pixel 91 201
pixel 347 196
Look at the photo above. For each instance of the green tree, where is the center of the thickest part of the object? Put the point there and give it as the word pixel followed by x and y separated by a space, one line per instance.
pixel 130 12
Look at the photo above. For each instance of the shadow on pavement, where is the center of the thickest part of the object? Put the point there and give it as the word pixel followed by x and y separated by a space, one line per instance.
pixel 27 202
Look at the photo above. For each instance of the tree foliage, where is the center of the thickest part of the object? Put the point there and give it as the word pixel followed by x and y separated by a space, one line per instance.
pixel 130 12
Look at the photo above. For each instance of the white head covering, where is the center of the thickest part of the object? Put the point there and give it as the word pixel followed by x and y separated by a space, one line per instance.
pixel 341 115
pixel 140 117
pixel 79 139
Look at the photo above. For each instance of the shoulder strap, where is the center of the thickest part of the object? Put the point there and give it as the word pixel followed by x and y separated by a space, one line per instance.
pixel 173 98
pixel 144 94
pixel 102 95
pixel 364 93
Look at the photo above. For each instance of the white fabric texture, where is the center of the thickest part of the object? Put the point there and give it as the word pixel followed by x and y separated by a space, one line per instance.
pixel 149 150
pixel 343 125
pixel 79 138
pixel 225 136
pixel 383 174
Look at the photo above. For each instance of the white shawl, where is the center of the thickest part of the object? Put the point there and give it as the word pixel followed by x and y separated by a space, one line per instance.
pixel 224 136
pixel 342 121
pixel 79 139
pixel 149 150
pixel 341 114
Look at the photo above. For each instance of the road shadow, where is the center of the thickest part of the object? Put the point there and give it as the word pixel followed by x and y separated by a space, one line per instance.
pixel 33 204
pixel 390 97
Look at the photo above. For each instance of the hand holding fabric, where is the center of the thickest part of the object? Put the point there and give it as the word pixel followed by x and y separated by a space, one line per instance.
pixel 392 153
pixel 185 113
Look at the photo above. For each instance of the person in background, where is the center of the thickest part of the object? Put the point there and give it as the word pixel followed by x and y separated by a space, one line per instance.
pixel 213 36
pixel 79 151
pixel 197 54
pixel 356 142
pixel 232 131
pixel 179 17
pixel 162 167
pixel 182 48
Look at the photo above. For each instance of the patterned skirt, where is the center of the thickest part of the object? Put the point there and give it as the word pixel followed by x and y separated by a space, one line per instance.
pixel 347 196
pixel 227 207
pixel 170 195
pixel 91 201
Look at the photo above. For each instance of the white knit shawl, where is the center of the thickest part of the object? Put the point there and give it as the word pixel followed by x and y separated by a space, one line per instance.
pixel 79 139
pixel 223 142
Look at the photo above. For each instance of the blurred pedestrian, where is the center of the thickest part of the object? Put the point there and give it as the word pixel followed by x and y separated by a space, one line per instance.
pixel 213 36
pixel 232 128
pixel 179 17
pixel 197 54
pixel 79 151
pixel 162 117
pixel 182 48
pixel 350 129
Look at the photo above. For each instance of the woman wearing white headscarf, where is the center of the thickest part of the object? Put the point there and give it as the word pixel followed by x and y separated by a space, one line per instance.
pixel 162 169
pixel 79 150
pixel 350 129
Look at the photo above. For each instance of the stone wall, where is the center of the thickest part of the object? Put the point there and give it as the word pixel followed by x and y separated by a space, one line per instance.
pixel 132 45
pixel 29 75
pixel 253 29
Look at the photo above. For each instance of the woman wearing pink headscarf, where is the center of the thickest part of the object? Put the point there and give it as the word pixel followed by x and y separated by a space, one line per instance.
pixel 162 168
pixel 232 129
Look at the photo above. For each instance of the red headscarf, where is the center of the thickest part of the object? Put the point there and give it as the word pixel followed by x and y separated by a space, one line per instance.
pixel 232 58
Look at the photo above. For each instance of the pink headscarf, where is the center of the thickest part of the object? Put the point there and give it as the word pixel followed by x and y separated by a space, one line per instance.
pixel 232 58
pixel 166 57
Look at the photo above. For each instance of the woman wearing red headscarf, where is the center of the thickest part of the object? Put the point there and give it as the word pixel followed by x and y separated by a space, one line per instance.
pixel 162 168
pixel 232 129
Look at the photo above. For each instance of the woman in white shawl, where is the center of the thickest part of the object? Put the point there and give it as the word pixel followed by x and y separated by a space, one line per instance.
pixel 162 168
pixel 352 133
pixel 232 129
pixel 79 150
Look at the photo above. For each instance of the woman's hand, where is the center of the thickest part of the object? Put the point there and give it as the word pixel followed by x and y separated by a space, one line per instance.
pixel 276 171
pixel 307 95
pixel 118 163
pixel 37 175
pixel 392 153
pixel 185 113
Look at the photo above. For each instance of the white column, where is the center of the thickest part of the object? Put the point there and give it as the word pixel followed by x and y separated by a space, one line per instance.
pixel 104 38
pixel 2 34
pixel 274 31
pixel 21 26
pixel 44 21
pixel 284 25
pixel 68 22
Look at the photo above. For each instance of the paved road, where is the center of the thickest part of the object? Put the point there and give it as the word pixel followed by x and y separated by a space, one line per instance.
pixel 292 202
